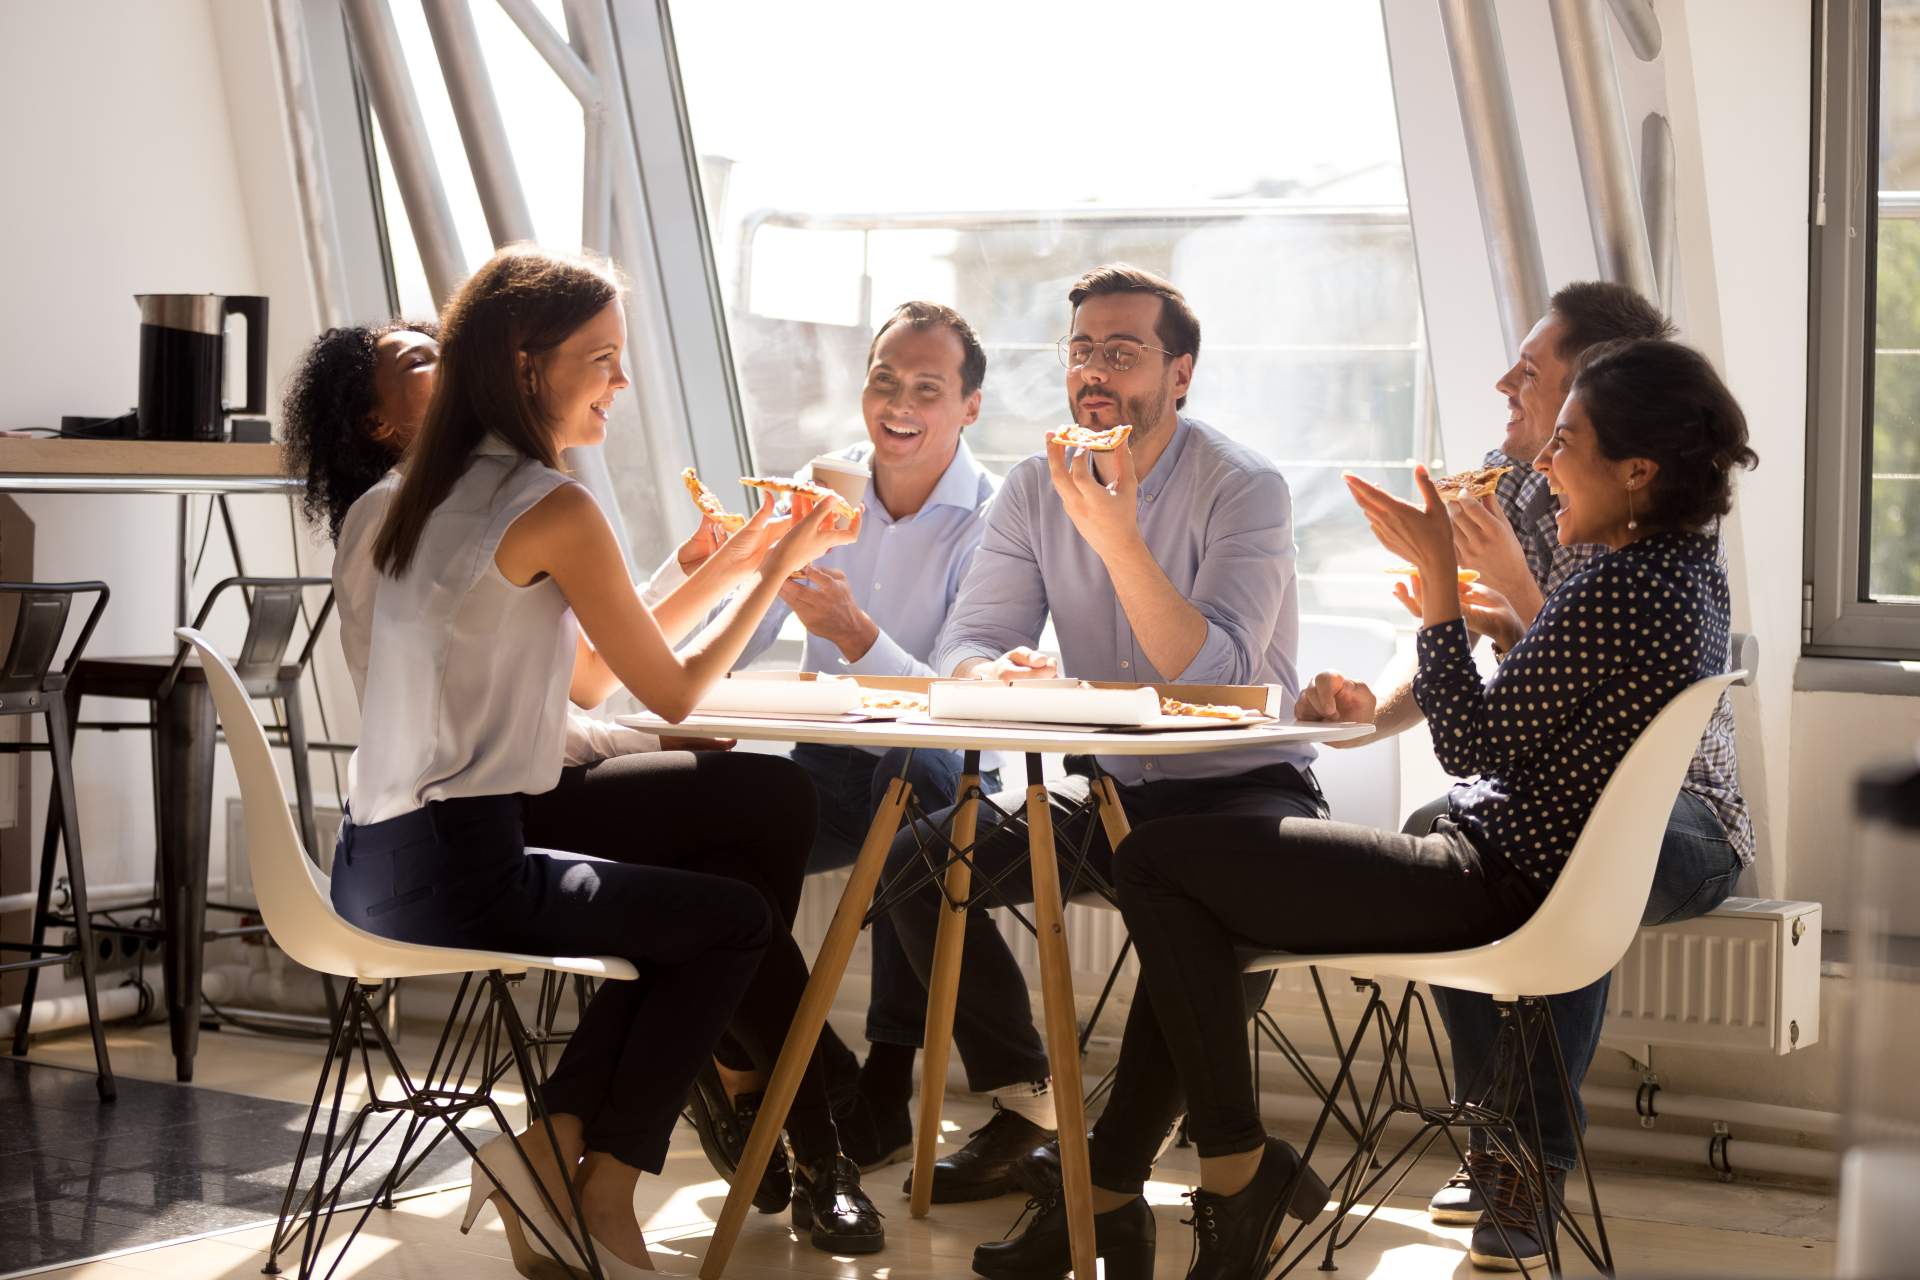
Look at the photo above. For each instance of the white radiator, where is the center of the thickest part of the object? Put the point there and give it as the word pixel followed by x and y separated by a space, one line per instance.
pixel 1747 976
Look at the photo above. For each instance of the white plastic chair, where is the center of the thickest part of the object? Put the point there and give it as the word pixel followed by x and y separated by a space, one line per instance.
pixel 296 903
pixel 1577 936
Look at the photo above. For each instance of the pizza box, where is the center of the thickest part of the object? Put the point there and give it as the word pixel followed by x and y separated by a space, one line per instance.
pixel 781 693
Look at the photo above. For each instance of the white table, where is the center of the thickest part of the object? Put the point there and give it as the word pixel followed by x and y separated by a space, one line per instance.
pixel 1056 974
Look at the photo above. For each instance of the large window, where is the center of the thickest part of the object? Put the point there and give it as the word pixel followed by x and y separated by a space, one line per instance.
pixel 1864 489
pixel 985 155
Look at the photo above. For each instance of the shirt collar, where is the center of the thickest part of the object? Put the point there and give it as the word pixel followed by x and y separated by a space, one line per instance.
pixel 491 443
pixel 960 483
pixel 1155 480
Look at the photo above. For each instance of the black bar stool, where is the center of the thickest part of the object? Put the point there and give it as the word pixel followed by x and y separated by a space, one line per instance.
pixel 30 686
pixel 184 733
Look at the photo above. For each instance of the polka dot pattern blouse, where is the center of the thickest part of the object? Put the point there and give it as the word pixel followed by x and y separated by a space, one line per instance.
pixel 1610 648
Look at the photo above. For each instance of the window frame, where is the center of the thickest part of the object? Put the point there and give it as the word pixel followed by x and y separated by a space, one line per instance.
pixel 1838 619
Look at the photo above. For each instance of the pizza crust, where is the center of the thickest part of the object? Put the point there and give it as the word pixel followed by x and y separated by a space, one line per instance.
pixel 801 488
pixel 1464 485
pixel 1075 436
pixel 710 506
pixel 1205 710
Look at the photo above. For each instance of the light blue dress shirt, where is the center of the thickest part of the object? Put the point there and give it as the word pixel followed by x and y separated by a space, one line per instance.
pixel 1217 518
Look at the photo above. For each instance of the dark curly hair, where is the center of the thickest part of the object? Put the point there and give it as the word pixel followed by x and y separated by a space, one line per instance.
pixel 325 409
pixel 1649 398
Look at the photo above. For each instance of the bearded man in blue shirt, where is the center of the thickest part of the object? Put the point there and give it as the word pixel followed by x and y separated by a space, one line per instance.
pixel 1168 560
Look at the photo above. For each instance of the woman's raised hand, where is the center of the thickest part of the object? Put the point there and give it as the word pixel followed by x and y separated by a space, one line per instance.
pixel 1422 535
pixel 811 537
pixel 742 553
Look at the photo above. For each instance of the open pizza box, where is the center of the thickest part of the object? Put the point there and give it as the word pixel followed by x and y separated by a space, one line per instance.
pixel 1101 704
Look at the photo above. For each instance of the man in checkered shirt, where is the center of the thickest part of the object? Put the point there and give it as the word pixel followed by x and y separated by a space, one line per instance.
pixel 1512 539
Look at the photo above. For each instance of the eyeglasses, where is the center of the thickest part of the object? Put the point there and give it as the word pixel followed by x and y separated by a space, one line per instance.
pixel 1118 354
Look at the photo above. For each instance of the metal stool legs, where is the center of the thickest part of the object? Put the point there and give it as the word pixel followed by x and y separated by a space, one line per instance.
pixel 63 825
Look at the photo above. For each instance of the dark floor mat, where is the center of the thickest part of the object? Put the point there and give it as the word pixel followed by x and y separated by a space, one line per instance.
pixel 82 1179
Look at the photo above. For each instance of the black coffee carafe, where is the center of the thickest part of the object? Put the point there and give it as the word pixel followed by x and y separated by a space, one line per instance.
pixel 183 363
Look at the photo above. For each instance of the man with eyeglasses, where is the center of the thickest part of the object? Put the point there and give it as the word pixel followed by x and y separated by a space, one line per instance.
pixel 1168 560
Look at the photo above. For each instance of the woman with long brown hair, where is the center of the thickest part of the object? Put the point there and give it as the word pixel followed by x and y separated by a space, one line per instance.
pixel 489 554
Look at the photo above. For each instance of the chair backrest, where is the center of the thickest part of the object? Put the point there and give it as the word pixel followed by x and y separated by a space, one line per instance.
pixel 274 607
pixel 38 621
pixel 295 898
pixel 1593 910
pixel 1362 784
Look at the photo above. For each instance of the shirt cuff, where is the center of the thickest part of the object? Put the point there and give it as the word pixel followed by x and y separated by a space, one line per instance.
pixel 946 660
pixel 884 657
pixel 663 582
pixel 1215 662
pixel 590 741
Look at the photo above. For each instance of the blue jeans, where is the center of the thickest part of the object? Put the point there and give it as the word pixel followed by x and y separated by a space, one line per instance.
pixel 851 784
pixel 1695 874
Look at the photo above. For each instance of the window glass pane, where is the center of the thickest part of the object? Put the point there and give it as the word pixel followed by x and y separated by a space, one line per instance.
pixel 1248 152
pixel 1893 572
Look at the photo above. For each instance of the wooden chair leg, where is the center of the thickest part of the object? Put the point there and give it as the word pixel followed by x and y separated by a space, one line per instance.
pixel 828 968
pixel 1063 1044
pixel 943 989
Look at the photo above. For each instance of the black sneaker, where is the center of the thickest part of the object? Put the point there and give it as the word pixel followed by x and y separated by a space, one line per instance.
pixel 1459 1203
pixel 1233 1235
pixel 1123 1240
pixel 1510 1236
pixel 983 1168
pixel 875 1134
pixel 723 1128
pixel 835 1211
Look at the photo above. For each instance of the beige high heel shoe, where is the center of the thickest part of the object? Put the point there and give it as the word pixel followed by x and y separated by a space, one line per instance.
pixel 530 1258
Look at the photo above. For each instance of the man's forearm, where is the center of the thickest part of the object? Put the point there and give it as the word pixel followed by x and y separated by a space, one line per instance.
pixel 1169 629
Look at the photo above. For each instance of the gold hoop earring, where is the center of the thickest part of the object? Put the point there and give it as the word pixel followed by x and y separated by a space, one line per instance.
pixel 1632 523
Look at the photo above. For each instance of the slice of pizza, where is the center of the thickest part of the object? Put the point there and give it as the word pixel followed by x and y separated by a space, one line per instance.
pixel 1205 710
pixel 892 700
pixel 1464 485
pixel 1075 436
pixel 801 488
pixel 1466 575
pixel 710 506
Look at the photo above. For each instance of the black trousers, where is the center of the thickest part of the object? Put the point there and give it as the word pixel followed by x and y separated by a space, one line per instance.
pixel 458 874
pixel 993 1018
pixel 1194 888
pixel 745 817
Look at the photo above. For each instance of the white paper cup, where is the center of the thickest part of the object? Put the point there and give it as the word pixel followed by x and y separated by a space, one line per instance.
pixel 844 477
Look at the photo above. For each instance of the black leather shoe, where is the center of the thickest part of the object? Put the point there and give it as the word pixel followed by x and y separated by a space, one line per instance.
pixel 835 1211
pixel 983 1168
pixel 1124 1238
pixel 1038 1171
pixel 875 1135
pixel 1232 1235
pixel 723 1128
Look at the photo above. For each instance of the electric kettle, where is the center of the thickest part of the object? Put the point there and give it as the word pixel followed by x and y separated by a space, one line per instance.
pixel 183 363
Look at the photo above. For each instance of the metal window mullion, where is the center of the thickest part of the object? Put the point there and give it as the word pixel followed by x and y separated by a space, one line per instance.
pixel 384 67
pixel 1499 167
pixel 1614 214
pixel 483 131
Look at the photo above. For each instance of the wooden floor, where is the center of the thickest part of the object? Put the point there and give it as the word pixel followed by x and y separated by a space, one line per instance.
pixel 1661 1225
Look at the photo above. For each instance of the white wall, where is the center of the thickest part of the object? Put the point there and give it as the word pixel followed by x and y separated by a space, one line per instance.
pixel 142 154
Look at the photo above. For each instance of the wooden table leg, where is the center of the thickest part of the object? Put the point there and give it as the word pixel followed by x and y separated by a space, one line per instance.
pixel 1063 1039
pixel 943 989
pixel 828 968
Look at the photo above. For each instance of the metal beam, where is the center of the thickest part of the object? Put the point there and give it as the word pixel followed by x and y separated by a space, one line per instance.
pixel 1640 25
pixel 1657 178
pixel 376 43
pixel 559 54
pixel 1499 168
pixel 1614 214
pixel 456 41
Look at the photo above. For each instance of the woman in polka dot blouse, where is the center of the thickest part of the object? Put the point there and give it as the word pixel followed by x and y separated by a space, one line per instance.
pixel 1641 457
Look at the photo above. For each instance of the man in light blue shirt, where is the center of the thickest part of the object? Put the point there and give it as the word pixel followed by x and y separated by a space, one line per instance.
pixel 1168 560
pixel 876 607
